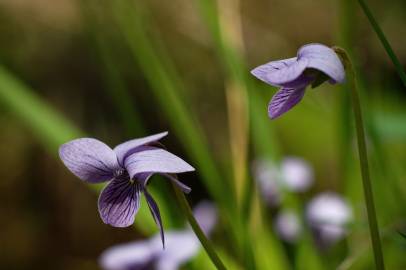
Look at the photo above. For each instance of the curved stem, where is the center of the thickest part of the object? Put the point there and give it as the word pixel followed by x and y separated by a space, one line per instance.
pixel 207 245
pixel 363 157
pixel 384 41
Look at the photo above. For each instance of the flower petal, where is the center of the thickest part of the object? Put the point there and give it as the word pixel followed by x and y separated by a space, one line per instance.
pixel 135 255
pixel 119 202
pixel 89 159
pixel 284 100
pixel 285 73
pixel 297 174
pixel 153 207
pixel 181 247
pixel 143 179
pixel 206 216
pixel 152 159
pixel 174 179
pixel 127 148
pixel 323 58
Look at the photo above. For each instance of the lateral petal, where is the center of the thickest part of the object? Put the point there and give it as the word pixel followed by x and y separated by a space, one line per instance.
pixel 153 207
pixel 155 160
pixel 127 148
pixel 89 159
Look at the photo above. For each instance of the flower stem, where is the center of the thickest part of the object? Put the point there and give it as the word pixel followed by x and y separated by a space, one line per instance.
pixel 207 245
pixel 384 41
pixel 363 157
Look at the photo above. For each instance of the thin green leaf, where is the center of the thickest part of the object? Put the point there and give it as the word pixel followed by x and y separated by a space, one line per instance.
pixel 384 41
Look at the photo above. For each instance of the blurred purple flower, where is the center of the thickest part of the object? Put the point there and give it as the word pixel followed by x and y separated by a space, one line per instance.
pixel 297 174
pixel 293 174
pixel 266 174
pixel 128 168
pixel 181 246
pixel 314 64
pixel 328 214
pixel 288 226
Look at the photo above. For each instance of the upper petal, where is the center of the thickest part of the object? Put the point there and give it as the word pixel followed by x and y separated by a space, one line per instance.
pixel 282 72
pixel 284 100
pixel 152 159
pixel 127 148
pixel 323 58
pixel 89 159
pixel 119 202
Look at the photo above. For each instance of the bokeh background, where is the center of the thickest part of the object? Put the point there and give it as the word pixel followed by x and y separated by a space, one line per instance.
pixel 116 70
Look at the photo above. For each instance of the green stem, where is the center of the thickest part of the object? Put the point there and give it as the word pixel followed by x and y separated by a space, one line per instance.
pixel 362 151
pixel 384 41
pixel 207 245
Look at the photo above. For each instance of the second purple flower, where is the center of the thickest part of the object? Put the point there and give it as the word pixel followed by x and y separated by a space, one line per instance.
pixel 314 64
pixel 128 167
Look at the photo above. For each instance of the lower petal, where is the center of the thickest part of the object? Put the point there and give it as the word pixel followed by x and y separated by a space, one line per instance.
pixel 119 202
pixel 284 100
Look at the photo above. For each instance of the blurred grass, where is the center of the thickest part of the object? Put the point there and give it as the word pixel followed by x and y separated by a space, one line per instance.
pixel 166 87
pixel 51 128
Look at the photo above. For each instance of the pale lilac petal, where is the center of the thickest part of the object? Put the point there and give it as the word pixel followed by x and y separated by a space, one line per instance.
pixel 153 207
pixel 206 216
pixel 127 148
pixel 284 100
pixel 266 174
pixel 328 215
pixel 152 159
pixel 89 159
pixel 323 58
pixel 328 208
pixel 282 73
pixel 136 255
pixel 180 247
pixel 297 174
pixel 119 202
pixel 288 226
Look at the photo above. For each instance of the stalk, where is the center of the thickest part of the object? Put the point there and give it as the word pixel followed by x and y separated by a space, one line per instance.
pixel 363 157
pixel 206 243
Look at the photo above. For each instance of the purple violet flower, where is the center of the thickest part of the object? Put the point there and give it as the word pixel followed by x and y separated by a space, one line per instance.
pixel 328 215
pixel 288 226
pixel 182 245
pixel 293 174
pixel 314 64
pixel 128 168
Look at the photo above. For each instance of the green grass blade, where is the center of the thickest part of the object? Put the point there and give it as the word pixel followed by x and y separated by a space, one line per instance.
pixel 50 127
pixel 237 71
pixel 167 89
pixel 384 40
